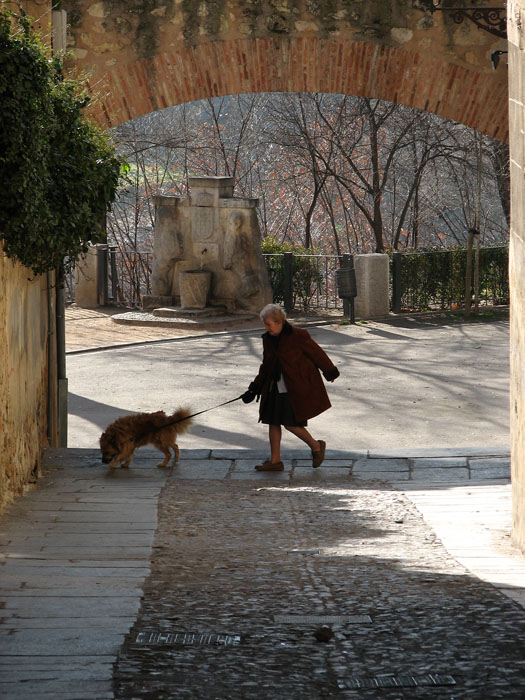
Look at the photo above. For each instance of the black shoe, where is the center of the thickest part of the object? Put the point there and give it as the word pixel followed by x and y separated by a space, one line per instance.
pixel 317 457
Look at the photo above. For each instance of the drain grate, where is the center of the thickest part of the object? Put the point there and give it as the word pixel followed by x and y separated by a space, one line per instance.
pixel 323 619
pixel 404 681
pixel 187 639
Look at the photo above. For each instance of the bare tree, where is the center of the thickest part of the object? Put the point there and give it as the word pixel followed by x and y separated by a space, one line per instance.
pixel 335 172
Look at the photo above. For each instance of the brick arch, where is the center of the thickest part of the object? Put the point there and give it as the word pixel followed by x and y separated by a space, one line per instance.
pixel 303 64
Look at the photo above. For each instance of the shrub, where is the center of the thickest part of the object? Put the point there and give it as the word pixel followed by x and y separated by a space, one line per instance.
pixel 59 173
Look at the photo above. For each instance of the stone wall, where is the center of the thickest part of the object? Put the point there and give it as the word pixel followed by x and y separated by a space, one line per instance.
pixel 516 33
pixel 23 377
pixel 161 53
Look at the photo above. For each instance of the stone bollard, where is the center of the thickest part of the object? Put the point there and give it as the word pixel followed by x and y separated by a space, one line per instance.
pixel 372 273
pixel 86 288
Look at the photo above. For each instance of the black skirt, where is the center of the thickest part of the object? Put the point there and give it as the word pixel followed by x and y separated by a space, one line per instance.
pixel 277 410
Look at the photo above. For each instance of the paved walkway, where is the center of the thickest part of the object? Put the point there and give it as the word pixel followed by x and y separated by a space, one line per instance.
pixel 210 580
pixel 191 582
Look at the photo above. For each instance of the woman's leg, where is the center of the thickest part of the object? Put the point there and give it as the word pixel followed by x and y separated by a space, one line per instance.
pixel 305 436
pixel 275 432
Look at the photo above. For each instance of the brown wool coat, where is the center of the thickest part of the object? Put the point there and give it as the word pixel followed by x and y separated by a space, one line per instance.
pixel 300 358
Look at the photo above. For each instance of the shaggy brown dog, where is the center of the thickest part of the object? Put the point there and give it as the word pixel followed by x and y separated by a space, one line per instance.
pixel 120 439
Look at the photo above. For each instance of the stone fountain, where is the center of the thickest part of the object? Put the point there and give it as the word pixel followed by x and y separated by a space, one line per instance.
pixel 207 253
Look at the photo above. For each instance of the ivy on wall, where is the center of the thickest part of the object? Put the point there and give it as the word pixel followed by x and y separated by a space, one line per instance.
pixel 58 172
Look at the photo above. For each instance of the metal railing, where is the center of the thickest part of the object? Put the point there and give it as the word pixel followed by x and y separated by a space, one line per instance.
pixel 304 282
pixel 129 276
pixel 419 281
pixel 433 280
pixel 301 281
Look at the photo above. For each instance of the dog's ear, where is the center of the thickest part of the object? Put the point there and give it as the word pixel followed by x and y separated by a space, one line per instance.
pixel 108 439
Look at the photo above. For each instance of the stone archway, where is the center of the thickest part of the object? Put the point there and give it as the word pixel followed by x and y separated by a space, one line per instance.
pixel 142 57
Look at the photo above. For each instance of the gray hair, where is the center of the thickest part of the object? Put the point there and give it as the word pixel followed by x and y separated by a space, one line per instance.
pixel 273 311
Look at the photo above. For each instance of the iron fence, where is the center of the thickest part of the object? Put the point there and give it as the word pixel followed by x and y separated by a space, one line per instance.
pixel 129 276
pixel 301 281
pixel 124 277
pixel 419 280
pixel 298 281
pixel 69 286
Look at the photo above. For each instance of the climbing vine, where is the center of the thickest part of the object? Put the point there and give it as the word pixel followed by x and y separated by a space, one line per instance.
pixel 58 172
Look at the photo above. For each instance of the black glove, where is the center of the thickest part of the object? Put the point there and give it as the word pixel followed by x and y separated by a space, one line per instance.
pixel 331 374
pixel 248 396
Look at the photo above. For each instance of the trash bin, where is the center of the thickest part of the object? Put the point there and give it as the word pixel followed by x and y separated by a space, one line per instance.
pixel 347 289
pixel 346 284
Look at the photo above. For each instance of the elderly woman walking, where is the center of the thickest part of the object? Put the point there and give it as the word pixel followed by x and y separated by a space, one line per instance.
pixel 289 385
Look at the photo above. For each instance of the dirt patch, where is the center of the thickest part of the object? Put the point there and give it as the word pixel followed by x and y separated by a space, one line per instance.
pixel 94 328
pixel 90 328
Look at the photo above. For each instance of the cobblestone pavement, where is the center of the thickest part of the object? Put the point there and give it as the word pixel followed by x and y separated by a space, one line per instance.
pixel 239 557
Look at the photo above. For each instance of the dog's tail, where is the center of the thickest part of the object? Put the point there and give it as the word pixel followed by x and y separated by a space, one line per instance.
pixel 180 418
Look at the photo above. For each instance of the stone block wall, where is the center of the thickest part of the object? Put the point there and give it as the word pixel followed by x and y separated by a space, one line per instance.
pixel 23 377
pixel 516 35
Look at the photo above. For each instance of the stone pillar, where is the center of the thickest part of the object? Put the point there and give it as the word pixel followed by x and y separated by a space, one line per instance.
pixel 86 289
pixel 516 37
pixel 372 274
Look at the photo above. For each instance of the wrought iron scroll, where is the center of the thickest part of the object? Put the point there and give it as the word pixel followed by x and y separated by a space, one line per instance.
pixel 490 19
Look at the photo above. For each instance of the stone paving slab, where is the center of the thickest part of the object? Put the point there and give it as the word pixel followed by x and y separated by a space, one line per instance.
pixel 448 475
pixel 21 569
pixel 110 585
pixel 73 527
pixel 245 465
pixel 492 463
pixel 413 453
pixel 140 518
pixel 390 476
pixel 65 604
pixel 202 469
pixel 329 463
pixel 490 475
pixel 74 564
pixel 321 474
pixel 100 623
pixel 66 642
pixel 28 668
pixel 462 516
pixel 58 690
pixel 75 553
pixel 381 465
pixel 268 476
pixel 77 542
pixel 114 554
pixel 441 462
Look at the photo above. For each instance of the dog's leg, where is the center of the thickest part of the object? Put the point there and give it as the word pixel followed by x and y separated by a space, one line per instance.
pixel 126 457
pixel 167 455
pixel 177 453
